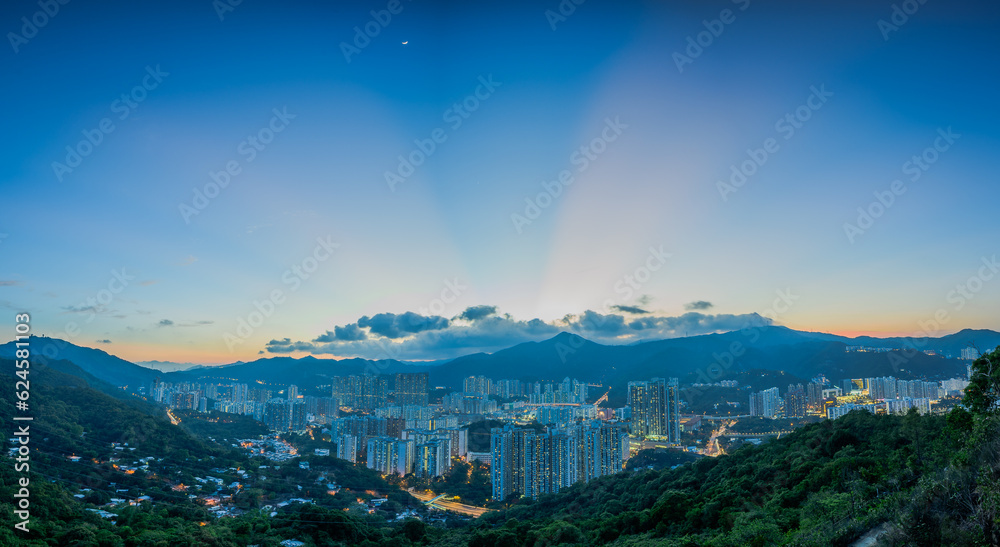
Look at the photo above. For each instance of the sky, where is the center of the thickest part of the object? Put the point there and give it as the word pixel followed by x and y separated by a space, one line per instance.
pixel 209 182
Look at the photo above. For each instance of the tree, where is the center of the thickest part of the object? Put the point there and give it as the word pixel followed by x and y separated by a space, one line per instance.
pixel 982 396
pixel 414 530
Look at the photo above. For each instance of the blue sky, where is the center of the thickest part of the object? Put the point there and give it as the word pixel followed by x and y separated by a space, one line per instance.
pixel 458 232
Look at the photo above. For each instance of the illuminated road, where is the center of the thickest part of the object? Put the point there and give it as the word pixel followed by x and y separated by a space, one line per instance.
pixel 768 434
pixel 603 398
pixel 449 505
pixel 173 419
pixel 712 448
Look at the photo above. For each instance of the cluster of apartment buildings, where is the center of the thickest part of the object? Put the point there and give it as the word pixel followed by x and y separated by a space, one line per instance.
pixel 368 392
pixel 529 463
pixel 577 446
pixel 885 395
pixel 401 440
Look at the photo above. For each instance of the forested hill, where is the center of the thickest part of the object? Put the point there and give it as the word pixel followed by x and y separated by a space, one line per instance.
pixel 74 471
pixel 826 484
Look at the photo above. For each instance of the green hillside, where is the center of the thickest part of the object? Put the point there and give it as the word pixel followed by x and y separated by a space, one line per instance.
pixel 933 479
pixel 71 419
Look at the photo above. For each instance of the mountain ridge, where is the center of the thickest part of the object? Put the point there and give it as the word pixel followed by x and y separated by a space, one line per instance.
pixel 699 358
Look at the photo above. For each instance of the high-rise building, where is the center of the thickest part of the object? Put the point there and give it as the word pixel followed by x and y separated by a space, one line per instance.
pixel 240 393
pixel 565 460
pixel 882 388
pixel 507 455
pixel 531 464
pixel 459 438
pixel 347 390
pixel 323 409
pixel 297 415
pixel 374 392
pixel 187 400
pixel 603 450
pixel 765 403
pixel 479 385
pixel 380 454
pixel 157 390
pixel 795 402
pixel 902 406
pixel 655 408
pixel 847 386
pixel 814 394
pixel 506 389
pixel 285 415
pixel 276 417
pixel 347 447
pixel 433 458
pixel 391 456
pixel 366 392
pixel 411 389
pixel 970 354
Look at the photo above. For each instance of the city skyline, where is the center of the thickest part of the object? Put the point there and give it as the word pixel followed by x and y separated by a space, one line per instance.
pixel 405 175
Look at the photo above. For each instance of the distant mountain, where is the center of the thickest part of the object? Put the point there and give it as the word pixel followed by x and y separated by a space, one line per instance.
pixel 695 359
pixel 713 357
pixel 167 366
pixel 952 344
pixel 99 364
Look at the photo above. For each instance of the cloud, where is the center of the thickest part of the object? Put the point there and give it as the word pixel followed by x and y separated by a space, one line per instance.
pixel 285 345
pixel 411 336
pixel 345 333
pixel 694 323
pixel 630 309
pixel 9 283
pixel 169 323
pixel 394 326
pixel 593 322
pixel 82 309
pixel 105 341
pixel 475 313
pixel 698 305
pixel 188 260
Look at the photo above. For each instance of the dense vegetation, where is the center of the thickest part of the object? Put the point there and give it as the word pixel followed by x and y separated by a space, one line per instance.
pixel 660 458
pixel 933 479
pixel 929 480
pixel 714 400
pixel 221 426
pixel 823 485
pixel 73 419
